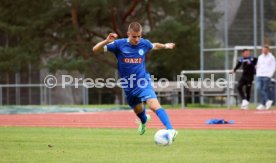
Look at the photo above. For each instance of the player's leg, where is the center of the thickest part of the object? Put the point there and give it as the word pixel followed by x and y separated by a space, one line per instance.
pixel 150 97
pixel 155 106
pixel 263 89
pixel 241 85
pixel 140 111
pixel 268 102
pixel 248 90
pixel 260 88
pixel 136 104
pixel 240 89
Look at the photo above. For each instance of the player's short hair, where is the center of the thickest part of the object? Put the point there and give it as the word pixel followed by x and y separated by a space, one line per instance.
pixel 135 27
pixel 266 46
pixel 244 50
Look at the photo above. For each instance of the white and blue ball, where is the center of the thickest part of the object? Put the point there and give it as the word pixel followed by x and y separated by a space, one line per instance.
pixel 162 138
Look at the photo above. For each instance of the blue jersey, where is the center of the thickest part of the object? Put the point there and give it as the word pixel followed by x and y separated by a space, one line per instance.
pixel 131 62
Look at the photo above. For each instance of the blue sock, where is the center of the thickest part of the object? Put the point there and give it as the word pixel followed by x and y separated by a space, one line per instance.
pixel 142 116
pixel 163 116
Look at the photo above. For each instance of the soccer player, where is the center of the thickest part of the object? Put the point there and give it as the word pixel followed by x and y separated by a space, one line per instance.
pixel 131 54
pixel 248 64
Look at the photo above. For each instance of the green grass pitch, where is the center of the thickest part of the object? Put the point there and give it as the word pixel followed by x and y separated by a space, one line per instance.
pixel 27 144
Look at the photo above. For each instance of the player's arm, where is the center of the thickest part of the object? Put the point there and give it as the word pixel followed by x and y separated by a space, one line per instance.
pixel 255 60
pixel 238 65
pixel 273 67
pixel 99 47
pixel 158 46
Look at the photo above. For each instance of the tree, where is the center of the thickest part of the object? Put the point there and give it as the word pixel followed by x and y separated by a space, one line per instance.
pixel 60 34
pixel 64 31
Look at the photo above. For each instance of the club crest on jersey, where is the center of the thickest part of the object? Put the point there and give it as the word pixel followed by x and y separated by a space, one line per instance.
pixel 141 52
pixel 132 60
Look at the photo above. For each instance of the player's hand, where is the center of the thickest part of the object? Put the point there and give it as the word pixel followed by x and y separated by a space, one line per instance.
pixel 169 45
pixel 111 37
pixel 231 72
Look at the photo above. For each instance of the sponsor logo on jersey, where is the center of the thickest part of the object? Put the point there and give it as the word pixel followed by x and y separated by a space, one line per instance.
pixel 132 60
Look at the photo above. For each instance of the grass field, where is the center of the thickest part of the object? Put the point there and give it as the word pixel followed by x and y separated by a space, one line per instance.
pixel 24 144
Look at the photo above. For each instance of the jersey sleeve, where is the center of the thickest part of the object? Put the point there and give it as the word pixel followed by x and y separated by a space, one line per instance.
pixel 149 44
pixel 273 66
pixel 112 47
pixel 255 60
pixel 238 65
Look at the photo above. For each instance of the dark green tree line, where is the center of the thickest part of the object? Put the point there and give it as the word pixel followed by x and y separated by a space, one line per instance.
pixel 59 34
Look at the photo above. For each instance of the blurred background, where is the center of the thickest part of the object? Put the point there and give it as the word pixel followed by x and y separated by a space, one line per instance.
pixel 42 37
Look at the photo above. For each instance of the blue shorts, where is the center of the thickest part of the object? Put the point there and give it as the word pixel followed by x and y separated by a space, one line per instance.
pixel 140 97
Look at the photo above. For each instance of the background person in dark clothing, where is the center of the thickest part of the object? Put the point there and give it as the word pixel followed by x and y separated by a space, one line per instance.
pixel 248 64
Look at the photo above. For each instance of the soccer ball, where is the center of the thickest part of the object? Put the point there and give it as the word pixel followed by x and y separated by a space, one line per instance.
pixel 162 138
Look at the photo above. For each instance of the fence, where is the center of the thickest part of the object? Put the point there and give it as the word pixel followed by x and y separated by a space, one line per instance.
pixel 53 96
pixel 212 90
pixel 44 93
pixel 224 24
